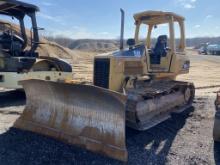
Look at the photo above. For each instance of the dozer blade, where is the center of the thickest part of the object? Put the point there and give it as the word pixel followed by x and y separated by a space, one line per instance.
pixel 87 116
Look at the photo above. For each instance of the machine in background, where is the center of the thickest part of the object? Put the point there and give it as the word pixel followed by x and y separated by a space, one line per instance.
pixel 20 61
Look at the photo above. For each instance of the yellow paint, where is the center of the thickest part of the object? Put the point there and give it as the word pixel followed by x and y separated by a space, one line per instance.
pixel 171 65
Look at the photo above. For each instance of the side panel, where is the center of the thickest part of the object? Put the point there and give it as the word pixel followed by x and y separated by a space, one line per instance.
pixel 109 72
pixel 116 74
pixel 181 64
pixel 11 79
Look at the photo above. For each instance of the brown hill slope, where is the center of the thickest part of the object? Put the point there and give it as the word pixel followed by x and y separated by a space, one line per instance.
pixel 110 45
pixel 91 45
pixel 48 48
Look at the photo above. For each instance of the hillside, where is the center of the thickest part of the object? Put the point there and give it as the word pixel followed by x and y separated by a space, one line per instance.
pixel 96 45
pixel 47 48
pixel 90 45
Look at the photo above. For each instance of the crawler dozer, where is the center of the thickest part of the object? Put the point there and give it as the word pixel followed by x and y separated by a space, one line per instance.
pixel 216 128
pixel 134 86
pixel 19 59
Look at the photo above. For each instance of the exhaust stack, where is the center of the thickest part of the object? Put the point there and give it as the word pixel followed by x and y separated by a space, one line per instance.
pixel 122 29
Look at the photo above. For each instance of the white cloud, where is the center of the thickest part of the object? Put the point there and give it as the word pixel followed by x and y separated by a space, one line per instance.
pixel 208 16
pixel 197 26
pixel 187 4
pixel 47 4
pixel 45 16
pixel 49 17
pixel 77 32
pixel 104 33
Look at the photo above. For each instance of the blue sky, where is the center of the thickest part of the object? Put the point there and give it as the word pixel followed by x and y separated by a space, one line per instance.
pixel 101 18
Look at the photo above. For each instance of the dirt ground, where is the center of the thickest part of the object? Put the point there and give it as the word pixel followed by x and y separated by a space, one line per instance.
pixel 183 139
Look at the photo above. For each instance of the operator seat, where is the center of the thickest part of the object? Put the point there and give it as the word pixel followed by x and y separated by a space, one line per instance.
pixel 11 43
pixel 160 49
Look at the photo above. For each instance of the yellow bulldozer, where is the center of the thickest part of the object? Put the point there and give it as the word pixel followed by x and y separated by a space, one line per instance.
pixel 19 58
pixel 134 86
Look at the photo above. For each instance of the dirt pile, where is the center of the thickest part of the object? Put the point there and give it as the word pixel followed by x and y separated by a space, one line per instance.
pixel 46 48
pixel 94 45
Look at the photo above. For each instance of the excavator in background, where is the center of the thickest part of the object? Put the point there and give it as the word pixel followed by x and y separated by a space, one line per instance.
pixel 18 60
pixel 134 87
pixel 216 129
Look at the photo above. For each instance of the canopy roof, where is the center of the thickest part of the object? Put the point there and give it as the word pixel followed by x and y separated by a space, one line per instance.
pixel 156 17
pixel 16 8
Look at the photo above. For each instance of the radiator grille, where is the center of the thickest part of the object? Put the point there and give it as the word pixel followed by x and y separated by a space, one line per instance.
pixel 101 73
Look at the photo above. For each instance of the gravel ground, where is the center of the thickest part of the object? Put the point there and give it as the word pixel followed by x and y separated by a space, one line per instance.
pixel 185 138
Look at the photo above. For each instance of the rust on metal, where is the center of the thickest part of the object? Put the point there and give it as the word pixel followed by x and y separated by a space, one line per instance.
pixel 88 116
pixel 153 103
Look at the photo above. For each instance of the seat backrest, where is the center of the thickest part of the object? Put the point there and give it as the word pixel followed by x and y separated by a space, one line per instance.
pixel 160 48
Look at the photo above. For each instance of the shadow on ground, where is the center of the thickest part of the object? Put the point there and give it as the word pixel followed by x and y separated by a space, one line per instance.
pixel 152 146
pixel 217 152
pixel 12 98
